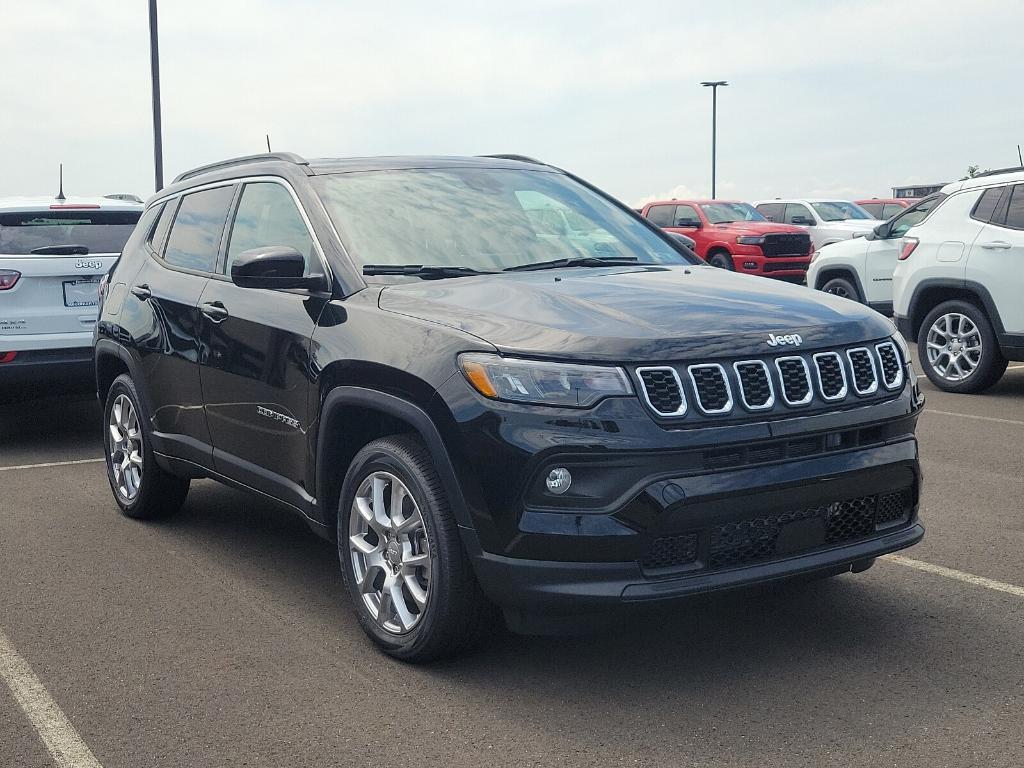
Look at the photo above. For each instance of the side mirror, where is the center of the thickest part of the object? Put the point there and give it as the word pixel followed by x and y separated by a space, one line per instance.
pixel 881 232
pixel 689 223
pixel 273 266
pixel 804 221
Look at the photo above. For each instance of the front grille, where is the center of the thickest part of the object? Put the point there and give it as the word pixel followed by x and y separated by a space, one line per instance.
pixel 864 379
pixel 711 387
pixel 892 369
pixel 663 390
pixel 784 244
pixel 782 266
pixel 758 538
pixel 831 376
pixel 796 380
pixel 755 384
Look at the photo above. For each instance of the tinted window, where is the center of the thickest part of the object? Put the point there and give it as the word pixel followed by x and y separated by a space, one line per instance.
pixel 772 211
pixel 875 209
pixel 913 216
pixel 661 215
pixel 888 211
pixel 986 204
pixel 195 236
pixel 797 211
pixel 267 215
pixel 686 216
pixel 99 231
pixel 159 234
pixel 1015 213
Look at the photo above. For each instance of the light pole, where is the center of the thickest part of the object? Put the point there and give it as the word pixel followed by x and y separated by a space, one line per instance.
pixel 154 66
pixel 713 85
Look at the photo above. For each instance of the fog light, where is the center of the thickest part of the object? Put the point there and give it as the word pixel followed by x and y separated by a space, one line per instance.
pixel 558 480
pixel 750 265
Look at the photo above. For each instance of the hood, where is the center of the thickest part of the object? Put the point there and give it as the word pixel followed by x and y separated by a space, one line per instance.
pixel 758 228
pixel 845 249
pixel 853 225
pixel 635 314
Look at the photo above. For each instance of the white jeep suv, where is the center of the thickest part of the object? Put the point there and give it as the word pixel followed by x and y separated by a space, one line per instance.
pixel 958 287
pixel 826 221
pixel 861 269
pixel 53 252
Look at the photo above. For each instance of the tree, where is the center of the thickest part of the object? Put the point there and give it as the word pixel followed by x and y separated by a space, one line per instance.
pixel 973 171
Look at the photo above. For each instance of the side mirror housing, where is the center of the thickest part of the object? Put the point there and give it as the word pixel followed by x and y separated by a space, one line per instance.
pixel 803 221
pixel 881 232
pixel 273 266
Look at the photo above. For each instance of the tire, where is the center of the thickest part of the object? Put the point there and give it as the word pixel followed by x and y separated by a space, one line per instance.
pixel 434 608
pixel 842 287
pixel 963 328
pixel 145 490
pixel 722 260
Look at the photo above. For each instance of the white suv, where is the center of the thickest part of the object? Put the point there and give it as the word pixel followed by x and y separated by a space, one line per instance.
pixel 958 287
pixel 861 269
pixel 826 221
pixel 53 252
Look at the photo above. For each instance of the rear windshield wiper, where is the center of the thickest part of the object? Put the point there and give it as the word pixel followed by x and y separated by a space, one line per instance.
pixel 421 270
pixel 576 261
pixel 61 250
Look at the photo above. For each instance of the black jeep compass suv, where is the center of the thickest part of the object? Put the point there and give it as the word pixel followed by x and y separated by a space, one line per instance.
pixel 495 386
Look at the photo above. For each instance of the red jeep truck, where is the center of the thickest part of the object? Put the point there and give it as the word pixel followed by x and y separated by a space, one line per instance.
pixel 733 235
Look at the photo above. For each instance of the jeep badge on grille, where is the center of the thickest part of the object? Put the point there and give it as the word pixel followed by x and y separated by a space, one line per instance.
pixel 793 339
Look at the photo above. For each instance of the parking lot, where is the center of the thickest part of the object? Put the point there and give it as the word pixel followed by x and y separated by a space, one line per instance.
pixel 222 636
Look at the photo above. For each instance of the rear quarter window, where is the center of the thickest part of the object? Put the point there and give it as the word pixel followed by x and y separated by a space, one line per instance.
pixel 98 230
pixel 985 208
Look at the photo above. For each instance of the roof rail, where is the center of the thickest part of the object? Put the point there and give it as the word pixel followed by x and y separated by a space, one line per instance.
pixel 520 158
pixel 997 172
pixel 286 157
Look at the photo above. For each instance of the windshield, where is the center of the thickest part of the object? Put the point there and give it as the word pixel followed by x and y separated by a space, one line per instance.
pixel 99 231
pixel 723 213
pixel 483 218
pixel 840 210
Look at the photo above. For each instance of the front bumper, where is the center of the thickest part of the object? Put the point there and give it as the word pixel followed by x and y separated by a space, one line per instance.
pixel 750 260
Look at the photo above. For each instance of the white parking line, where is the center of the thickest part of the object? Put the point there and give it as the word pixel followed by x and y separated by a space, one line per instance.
pixel 54 729
pixel 976 418
pixel 950 573
pixel 51 464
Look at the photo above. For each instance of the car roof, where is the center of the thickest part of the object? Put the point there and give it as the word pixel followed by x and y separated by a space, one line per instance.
pixel 804 200
pixel 988 179
pixel 692 201
pixel 51 203
pixel 888 200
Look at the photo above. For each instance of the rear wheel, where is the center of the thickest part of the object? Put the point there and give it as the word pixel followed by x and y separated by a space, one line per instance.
pixel 958 348
pixel 721 259
pixel 842 287
pixel 411 584
pixel 142 489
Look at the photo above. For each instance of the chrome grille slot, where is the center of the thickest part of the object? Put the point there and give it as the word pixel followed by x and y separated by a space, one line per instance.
pixel 756 390
pixel 892 365
pixel 831 375
pixel 796 380
pixel 711 386
pixel 663 390
pixel 865 377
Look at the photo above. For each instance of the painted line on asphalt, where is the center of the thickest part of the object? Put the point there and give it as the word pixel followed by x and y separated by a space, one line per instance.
pixel 976 418
pixel 51 464
pixel 952 573
pixel 54 729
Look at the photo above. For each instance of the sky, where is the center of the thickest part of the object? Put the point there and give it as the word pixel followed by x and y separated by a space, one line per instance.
pixel 842 99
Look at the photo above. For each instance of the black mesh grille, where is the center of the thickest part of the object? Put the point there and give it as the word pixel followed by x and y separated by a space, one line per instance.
pixel 890 364
pixel 780 266
pixel 754 384
pixel 830 375
pixel 751 540
pixel 711 387
pixel 794 380
pixel 850 519
pixel 894 506
pixel 786 245
pixel 662 390
pixel 671 552
pixel 863 370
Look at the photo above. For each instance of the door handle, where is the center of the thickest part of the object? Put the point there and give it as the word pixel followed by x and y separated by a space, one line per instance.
pixel 141 292
pixel 215 311
pixel 993 244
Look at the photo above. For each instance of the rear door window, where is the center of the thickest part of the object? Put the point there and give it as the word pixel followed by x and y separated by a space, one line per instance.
pixel 195 236
pixel 98 230
pixel 661 215
pixel 1015 211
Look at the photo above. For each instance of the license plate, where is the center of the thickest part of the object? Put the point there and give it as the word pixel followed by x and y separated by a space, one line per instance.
pixel 81 293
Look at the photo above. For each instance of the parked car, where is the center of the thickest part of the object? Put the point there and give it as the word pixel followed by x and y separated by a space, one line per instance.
pixel 483 416
pixel 959 280
pixel 826 221
pixel 861 269
pixel 885 208
pixel 732 235
pixel 53 252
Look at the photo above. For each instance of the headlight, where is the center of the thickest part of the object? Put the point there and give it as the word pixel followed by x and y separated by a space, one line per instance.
pixel 902 344
pixel 814 256
pixel 750 239
pixel 541 383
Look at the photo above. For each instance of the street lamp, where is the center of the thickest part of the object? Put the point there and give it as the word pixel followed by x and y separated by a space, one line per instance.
pixel 713 85
pixel 154 68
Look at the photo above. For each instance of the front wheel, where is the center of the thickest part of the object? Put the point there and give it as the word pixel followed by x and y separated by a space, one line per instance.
pixel 411 584
pixel 721 259
pixel 841 287
pixel 958 348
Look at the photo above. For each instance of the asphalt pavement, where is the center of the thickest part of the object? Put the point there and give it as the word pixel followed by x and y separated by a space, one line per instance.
pixel 222 637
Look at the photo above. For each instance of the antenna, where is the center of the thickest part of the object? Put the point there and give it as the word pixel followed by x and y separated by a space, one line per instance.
pixel 60 174
pixel 1021 159
pixel 268 143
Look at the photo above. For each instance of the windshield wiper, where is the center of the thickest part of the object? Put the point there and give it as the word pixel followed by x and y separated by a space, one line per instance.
pixel 421 270
pixel 61 250
pixel 575 261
